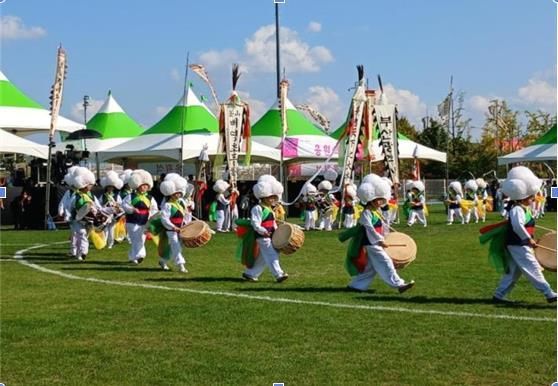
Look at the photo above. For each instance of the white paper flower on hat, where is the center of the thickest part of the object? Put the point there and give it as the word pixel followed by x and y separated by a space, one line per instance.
pixel 220 186
pixel 181 184
pixel 140 177
pixel 532 182
pixel 125 176
pixel 371 178
pixel 172 176
pixel 386 179
pixel 471 185
pixel 351 191
pixel 263 189
pixel 366 192
pixel 515 189
pixel 419 185
pixel 308 188
pixel 325 185
pixel 111 179
pixel 456 187
pixel 267 178
pixel 82 177
pixel 277 188
pixel 330 175
pixel 481 183
pixel 168 188
pixel 408 185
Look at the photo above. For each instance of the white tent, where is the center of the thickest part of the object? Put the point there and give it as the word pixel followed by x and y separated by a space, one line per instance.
pixel 154 147
pixel 545 152
pixel 21 115
pixel 543 149
pixel 10 143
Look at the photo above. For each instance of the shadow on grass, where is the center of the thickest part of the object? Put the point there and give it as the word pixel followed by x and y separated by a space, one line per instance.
pixel 278 288
pixel 197 279
pixel 115 268
pixel 454 300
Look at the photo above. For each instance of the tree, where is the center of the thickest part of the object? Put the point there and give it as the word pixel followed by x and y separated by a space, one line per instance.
pixel 538 123
pixel 434 135
pixel 406 128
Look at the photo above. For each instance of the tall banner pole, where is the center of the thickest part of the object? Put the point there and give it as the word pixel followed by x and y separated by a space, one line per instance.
pixel 55 103
pixel 183 115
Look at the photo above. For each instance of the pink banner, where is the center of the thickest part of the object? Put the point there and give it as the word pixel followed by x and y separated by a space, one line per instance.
pixel 290 147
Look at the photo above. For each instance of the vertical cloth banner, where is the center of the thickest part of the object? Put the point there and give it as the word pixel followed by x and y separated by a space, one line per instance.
pixel 352 132
pixel 386 118
pixel 283 91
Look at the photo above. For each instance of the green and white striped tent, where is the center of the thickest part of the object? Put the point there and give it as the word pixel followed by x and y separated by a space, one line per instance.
pixel 114 125
pixel 543 149
pixel 21 115
pixel 408 148
pixel 163 141
pixel 303 141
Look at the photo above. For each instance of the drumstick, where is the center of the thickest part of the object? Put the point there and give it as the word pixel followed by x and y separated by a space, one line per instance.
pixel 547 248
pixel 396 245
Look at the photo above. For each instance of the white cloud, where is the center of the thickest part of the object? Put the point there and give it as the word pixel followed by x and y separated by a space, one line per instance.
pixel 408 104
pixel 538 92
pixel 257 107
pixel 77 109
pixel 328 103
pixel 259 53
pixel 314 26
pixel 12 27
pixel 479 103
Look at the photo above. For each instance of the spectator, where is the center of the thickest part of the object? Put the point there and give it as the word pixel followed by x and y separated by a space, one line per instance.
pixel 21 209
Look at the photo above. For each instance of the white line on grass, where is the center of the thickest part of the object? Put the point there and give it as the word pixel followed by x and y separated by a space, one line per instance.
pixel 19 255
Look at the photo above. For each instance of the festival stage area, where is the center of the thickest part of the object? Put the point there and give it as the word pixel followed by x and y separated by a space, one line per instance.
pixel 104 321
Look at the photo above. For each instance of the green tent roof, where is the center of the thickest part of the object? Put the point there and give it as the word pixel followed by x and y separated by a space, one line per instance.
pixel 270 123
pixel 196 114
pixel 548 138
pixel 112 122
pixel 10 95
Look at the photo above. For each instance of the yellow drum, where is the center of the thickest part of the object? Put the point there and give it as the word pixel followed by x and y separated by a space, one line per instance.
pixel 196 234
pixel 287 238
pixel 402 249
pixel 546 252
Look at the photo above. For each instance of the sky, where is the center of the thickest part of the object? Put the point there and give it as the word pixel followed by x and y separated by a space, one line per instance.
pixel 137 49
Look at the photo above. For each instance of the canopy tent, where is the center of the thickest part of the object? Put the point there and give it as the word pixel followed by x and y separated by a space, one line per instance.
pixel 543 149
pixel 10 143
pixel 21 115
pixel 408 148
pixel 114 125
pixel 163 141
pixel 303 140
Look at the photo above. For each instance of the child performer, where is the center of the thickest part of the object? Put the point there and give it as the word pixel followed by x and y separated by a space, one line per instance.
pixel 417 204
pixel 482 196
pixel 471 199
pixel 64 209
pixel 173 214
pixel 82 181
pixel 111 200
pixel 373 194
pixel 454 202
pixel 325 203
pixel 139 207
pixel 349 206
pixel 223 205
pixel 263 222
pixel 521 186
pixel 309 202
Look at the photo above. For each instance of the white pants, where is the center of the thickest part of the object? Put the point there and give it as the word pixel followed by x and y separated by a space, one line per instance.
pixel 73 241
pixel 456 212
pixel 417 214
pixel 234 217
pixel 79 239
pixel 387 217
pixel 268 256
pixel 523 261
pixel 378 263
pixel 136 233
pixel 483 218
pixel 175 248
pixel 221 220
pixel 109 231
pixel 309 221
pixel 326 222
pixel 349 220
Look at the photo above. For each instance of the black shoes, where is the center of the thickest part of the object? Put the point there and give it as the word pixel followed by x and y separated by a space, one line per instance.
pixel 406 287
pixel 496 300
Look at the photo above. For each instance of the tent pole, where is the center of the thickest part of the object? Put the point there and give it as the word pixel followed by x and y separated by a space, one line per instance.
pixel 183 115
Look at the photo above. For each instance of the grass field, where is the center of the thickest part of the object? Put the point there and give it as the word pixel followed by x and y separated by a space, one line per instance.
pixel 106 322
